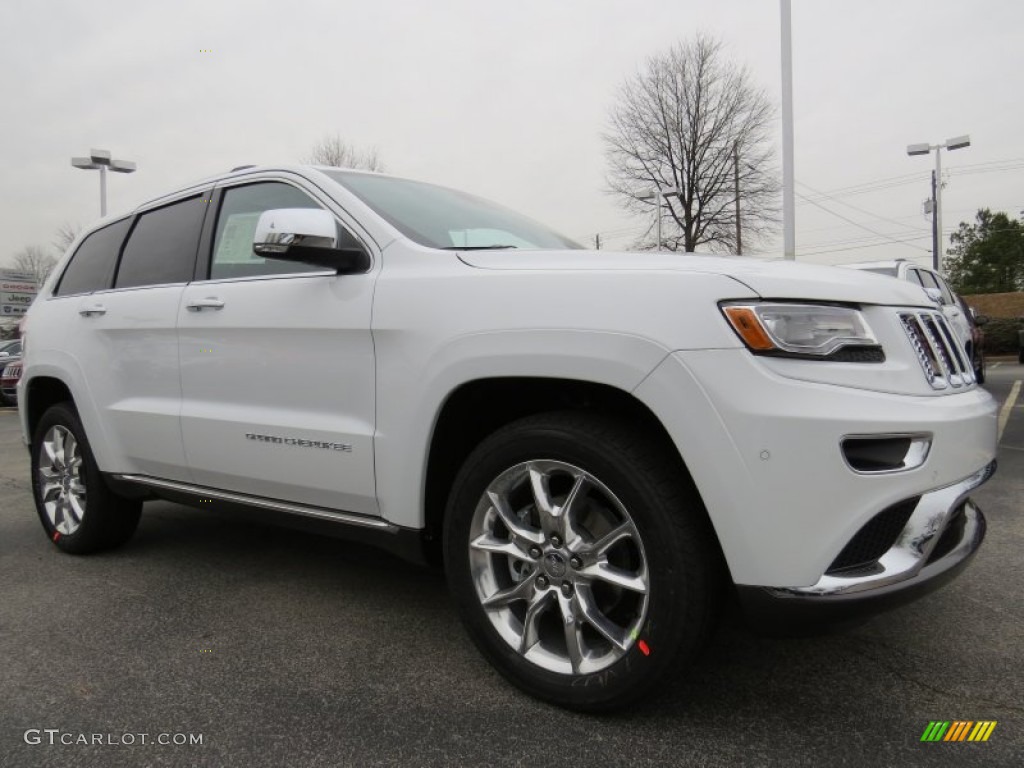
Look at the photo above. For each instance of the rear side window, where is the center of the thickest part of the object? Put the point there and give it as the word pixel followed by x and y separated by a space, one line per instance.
pixel 92 266
pixel 162 246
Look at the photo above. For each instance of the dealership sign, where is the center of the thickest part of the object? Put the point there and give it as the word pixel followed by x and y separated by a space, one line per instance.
pixel 17 291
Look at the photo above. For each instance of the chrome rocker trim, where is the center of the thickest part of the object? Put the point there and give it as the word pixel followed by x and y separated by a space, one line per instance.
pixel 320 513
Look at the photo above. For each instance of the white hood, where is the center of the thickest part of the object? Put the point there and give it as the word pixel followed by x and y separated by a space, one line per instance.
pixel 770 279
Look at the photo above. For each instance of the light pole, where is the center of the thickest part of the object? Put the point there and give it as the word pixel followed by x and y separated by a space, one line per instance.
pixel 958 142
pixel 100 158
pixel 657 194
pixel 788 192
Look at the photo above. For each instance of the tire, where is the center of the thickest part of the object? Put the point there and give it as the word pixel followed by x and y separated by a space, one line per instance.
pixel 79 513
pixel 629 618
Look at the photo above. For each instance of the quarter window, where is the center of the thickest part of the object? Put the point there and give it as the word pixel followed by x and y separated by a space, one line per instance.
pixel 162 247
pixel 92 266
pixel 240 210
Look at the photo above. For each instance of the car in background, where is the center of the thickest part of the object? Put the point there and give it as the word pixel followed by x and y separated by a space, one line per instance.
pixel 957 314
pixel 9 382
pixel 977 347
pixel 10 352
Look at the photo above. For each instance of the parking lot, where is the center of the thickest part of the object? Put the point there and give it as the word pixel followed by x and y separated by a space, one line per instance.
pixel 280 648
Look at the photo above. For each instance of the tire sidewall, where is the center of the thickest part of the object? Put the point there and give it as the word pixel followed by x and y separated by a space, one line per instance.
pixel 666 632
pixel 88 535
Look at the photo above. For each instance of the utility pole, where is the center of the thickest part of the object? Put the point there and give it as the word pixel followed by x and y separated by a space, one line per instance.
pixel 736 189
pixel 597 241
pixel 937 197
pixel 935 228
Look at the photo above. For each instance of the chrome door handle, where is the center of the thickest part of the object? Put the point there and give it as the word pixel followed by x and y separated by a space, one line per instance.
pixel 210 302
pixel 95 309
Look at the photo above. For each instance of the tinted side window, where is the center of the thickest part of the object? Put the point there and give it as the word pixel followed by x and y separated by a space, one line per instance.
pixel 947 295
pixel 240 209
pixel 914 277
pixel 92 266
pixel 162 246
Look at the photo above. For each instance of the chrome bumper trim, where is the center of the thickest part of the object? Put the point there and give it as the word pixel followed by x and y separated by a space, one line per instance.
pixel 263 503
pixel 905 559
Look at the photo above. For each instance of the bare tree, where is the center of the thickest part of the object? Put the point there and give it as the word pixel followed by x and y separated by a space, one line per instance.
pixel 694 122
pixel 65 236
pixel 334 150
pixel 35 261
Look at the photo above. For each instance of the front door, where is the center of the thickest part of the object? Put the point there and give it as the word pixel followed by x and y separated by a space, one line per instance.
pixel 277 367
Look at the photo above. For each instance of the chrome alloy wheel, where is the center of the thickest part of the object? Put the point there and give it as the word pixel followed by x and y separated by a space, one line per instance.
pixel 559 567
pixel 61 488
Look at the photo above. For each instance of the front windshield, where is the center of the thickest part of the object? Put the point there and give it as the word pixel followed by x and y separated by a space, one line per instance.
pixel 438 217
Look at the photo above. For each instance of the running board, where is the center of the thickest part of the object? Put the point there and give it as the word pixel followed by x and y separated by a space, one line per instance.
pixel 407 543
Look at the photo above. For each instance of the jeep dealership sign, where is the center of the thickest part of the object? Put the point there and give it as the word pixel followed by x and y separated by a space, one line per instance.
pixel 17 291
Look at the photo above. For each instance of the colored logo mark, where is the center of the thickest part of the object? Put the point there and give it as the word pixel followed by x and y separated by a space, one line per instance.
pixel 958 730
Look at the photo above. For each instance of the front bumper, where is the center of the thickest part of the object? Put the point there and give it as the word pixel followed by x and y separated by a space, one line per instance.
pixel 943 533
pixel 766 454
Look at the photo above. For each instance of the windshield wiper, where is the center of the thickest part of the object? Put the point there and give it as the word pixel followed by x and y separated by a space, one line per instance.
pixel 477 247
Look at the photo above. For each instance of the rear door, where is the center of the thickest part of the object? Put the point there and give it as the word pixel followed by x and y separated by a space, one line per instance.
pixel 277 363
pixel 124 340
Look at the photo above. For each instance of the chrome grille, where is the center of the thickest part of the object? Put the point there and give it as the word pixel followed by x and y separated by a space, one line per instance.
pixel 942 359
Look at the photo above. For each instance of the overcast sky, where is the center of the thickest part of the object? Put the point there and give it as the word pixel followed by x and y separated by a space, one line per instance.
pixel 504 99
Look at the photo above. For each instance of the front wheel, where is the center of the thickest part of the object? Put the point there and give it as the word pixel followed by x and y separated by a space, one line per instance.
pixel 78 511
pixel 581 562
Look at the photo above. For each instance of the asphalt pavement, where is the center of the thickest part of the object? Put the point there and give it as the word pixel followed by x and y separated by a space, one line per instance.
pixel 245 645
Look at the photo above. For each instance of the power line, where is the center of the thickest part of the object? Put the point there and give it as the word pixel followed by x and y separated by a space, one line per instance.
pixel 992 166
pixel 862 210
pixel 862 226
pixel 905 241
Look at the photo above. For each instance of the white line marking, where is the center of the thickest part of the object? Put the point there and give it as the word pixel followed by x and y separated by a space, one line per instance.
pixel 994 365
pixel 1004 412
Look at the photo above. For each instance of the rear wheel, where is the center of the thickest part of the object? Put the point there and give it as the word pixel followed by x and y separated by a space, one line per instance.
pixel 78 511
pixel 581 562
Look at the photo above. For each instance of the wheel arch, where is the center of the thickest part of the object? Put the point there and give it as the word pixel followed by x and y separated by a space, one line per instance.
pixel 478 408
pixel 41 393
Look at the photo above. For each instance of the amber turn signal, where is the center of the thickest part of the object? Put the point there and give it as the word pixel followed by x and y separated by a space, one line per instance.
pixel 746 323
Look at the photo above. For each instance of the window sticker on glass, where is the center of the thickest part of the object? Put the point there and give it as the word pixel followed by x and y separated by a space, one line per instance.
pixel 235 243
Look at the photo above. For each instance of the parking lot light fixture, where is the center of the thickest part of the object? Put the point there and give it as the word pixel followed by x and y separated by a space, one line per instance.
pixel 656 194
pixel 99 159
pixel 957 142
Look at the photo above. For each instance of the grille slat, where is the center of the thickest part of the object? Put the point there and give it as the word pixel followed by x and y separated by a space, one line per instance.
pixel 942 358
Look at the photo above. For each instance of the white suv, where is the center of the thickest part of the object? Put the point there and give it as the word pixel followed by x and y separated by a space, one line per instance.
pixel 599 447
pixel 934 285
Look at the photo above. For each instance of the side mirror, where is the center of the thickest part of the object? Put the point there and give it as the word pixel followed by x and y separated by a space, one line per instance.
pixel 934 294
pixel 980 319
pixel 306 236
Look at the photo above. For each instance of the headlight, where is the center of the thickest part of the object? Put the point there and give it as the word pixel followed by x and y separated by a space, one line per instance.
pixel 804 330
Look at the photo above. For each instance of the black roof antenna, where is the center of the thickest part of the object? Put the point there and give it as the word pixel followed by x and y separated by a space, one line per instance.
pixel 242 168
